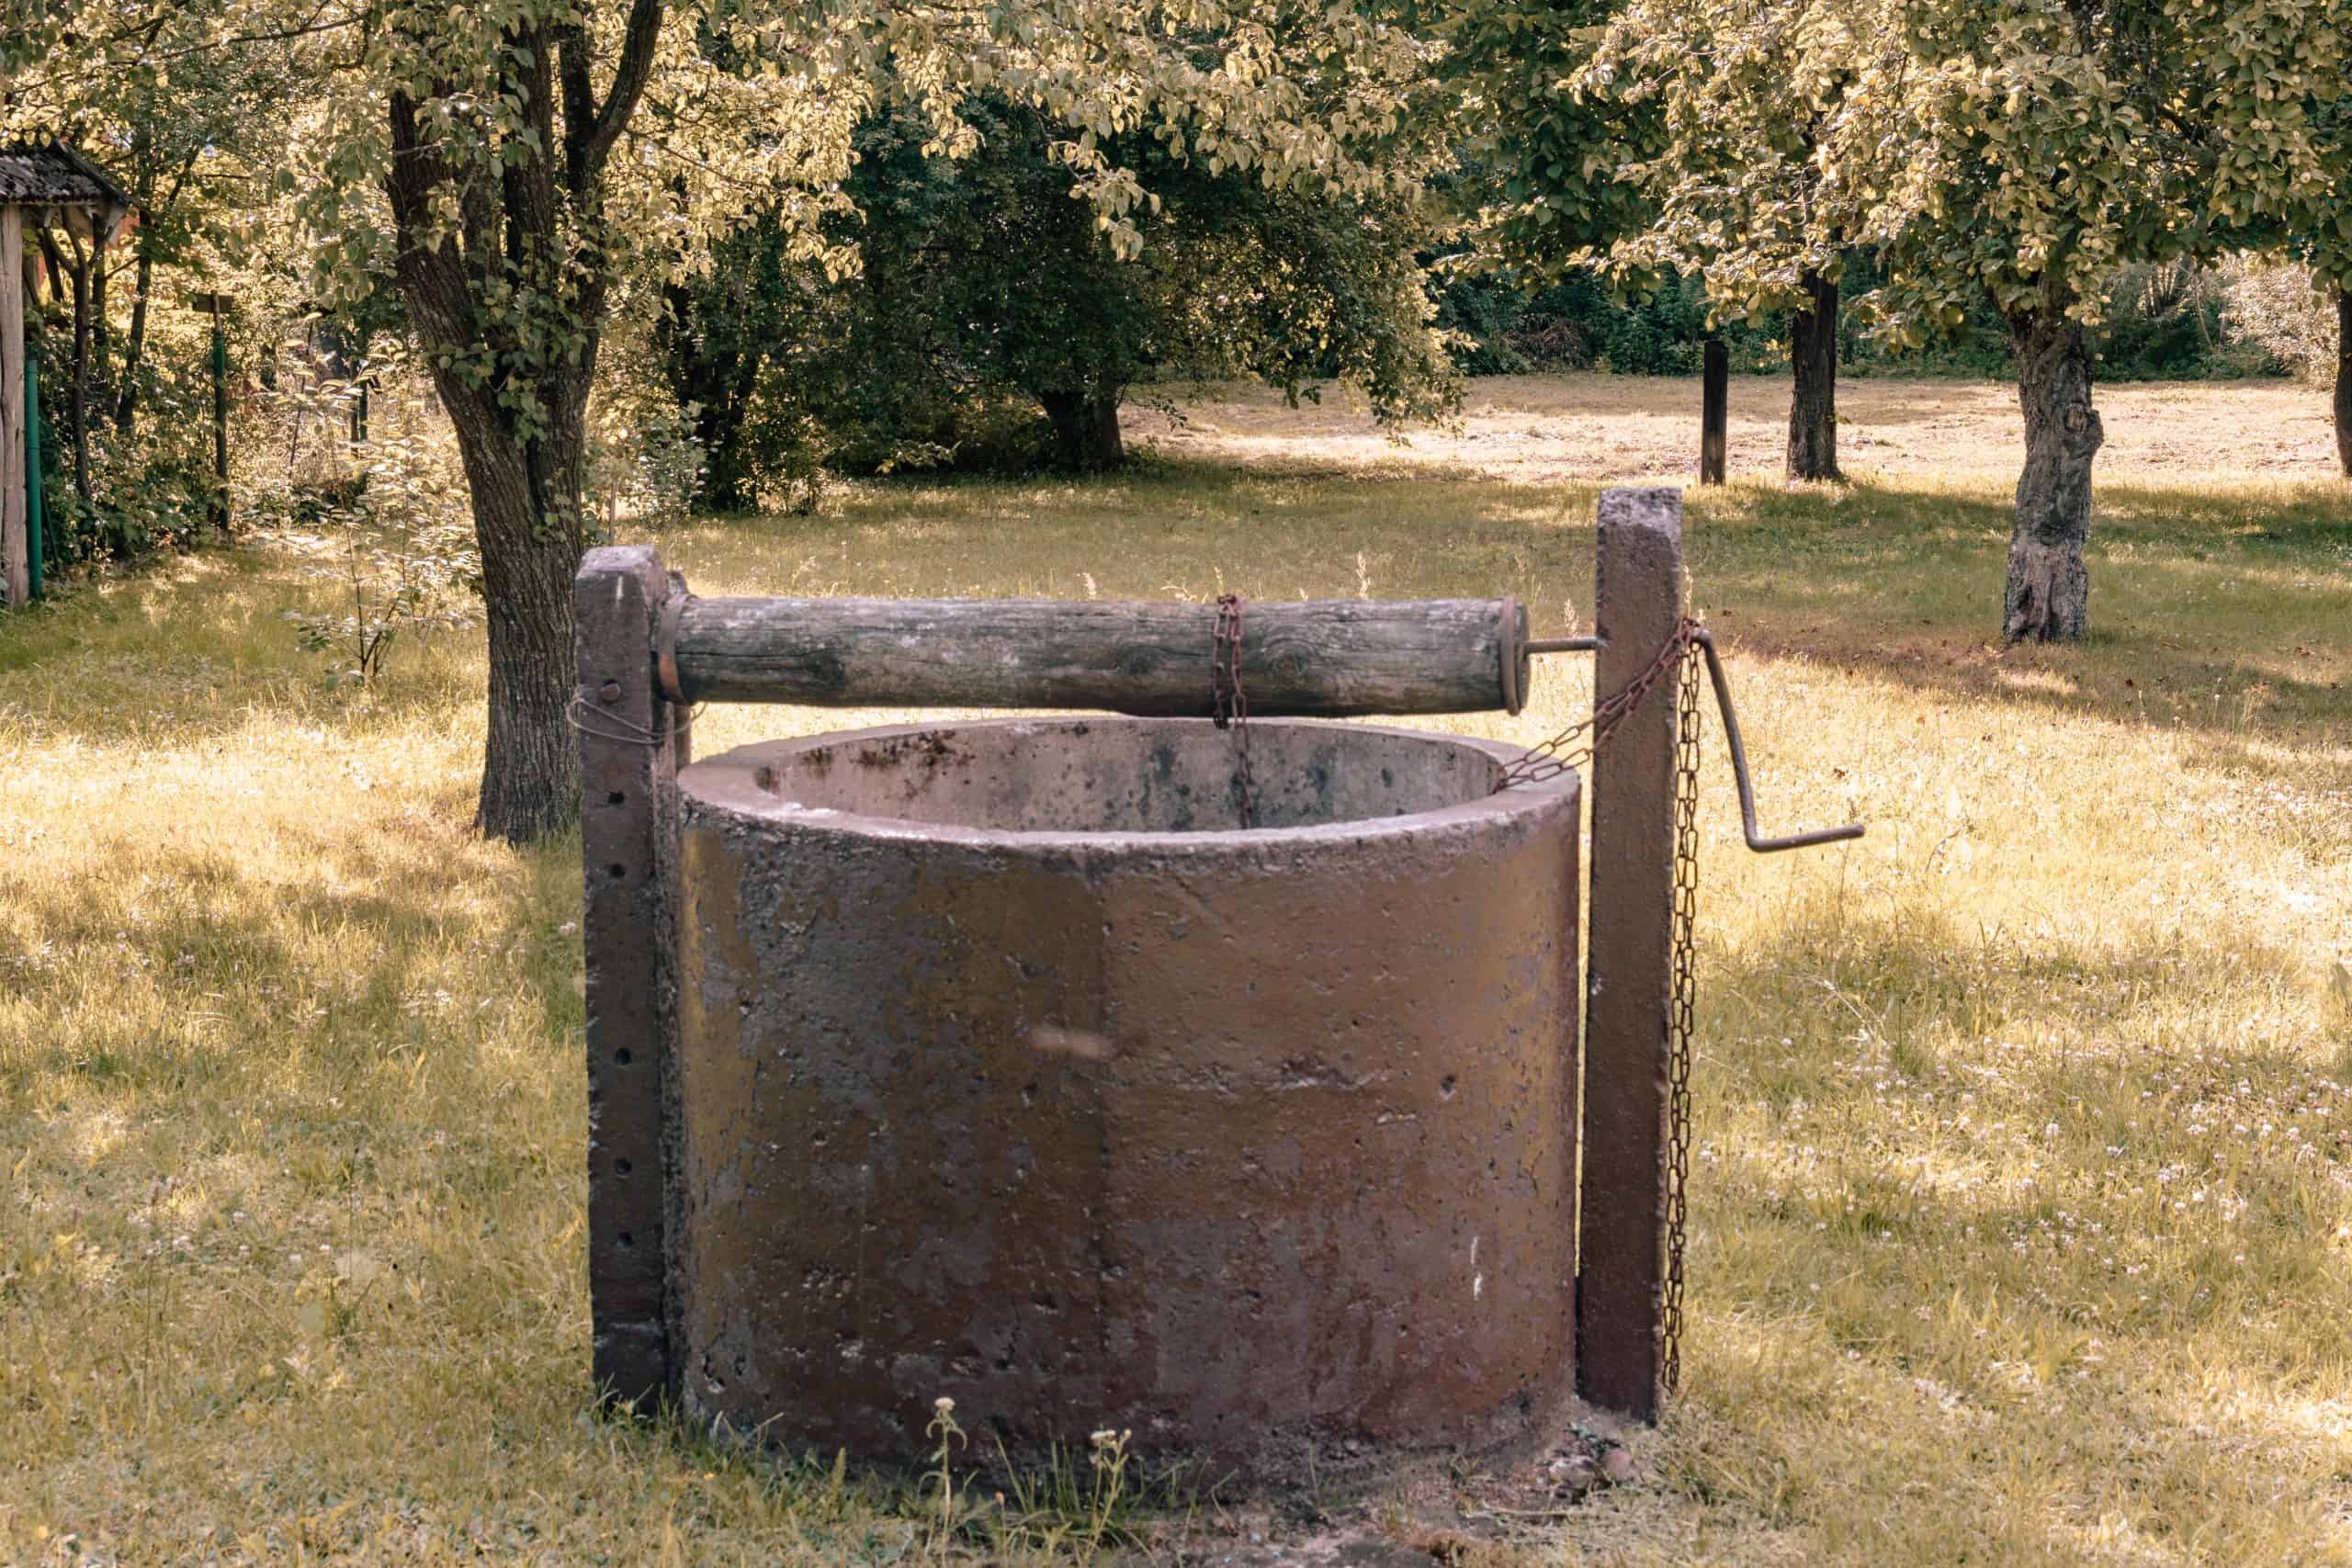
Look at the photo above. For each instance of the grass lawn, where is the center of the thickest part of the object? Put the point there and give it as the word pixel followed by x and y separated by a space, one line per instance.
pixel 2024 1194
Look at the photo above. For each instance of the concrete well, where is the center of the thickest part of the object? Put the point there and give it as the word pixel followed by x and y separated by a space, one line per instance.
pixel 1011 1070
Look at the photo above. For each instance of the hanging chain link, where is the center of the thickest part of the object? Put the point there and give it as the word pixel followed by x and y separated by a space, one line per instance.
pixel 1573 748
pixel 1229 706
pixel 1682 1004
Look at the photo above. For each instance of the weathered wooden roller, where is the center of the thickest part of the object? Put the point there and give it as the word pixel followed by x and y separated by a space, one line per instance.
pixel 1317 658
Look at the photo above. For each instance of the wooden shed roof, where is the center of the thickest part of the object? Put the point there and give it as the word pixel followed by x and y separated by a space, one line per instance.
pixel 55 176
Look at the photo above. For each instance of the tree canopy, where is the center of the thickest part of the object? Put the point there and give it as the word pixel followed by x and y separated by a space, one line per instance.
pixel 2014 152
pixel 535 154
pixel 971 273
pixel 1199 186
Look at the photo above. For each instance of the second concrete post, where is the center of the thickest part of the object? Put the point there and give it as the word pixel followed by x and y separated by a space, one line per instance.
pixel 1621 1271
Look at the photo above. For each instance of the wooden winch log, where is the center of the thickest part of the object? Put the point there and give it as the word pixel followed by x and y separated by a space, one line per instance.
pixel 1324 658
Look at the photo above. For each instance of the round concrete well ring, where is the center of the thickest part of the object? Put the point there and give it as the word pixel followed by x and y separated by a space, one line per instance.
pixel 1010 1070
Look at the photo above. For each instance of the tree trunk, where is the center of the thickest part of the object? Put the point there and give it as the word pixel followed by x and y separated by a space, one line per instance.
pixel 2048 599
pixel 726 476
pixel 1813 407
pixel 528 520
pixel 1086 429
pixel 79 402
pixel 2344 380
pixel 101 332
pixel 126 403
pixel 54 266
pixel 717 383
pixel 526 476
pixel 722 405
pixel 527 507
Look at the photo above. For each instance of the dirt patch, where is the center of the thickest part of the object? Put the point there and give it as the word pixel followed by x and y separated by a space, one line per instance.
pixel 1448 1519
pixel 1546 429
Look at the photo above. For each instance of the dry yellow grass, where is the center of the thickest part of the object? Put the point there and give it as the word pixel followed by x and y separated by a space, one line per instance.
pixel 2024 1232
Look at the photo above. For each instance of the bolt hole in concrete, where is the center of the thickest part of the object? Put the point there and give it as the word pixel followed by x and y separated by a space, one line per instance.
pixel 1086 1107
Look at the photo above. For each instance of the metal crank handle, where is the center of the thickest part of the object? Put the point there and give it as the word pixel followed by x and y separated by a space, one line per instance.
pixel 1762 846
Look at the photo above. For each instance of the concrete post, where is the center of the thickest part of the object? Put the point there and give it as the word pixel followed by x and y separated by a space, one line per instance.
pixel 1638 604
pixel 628 769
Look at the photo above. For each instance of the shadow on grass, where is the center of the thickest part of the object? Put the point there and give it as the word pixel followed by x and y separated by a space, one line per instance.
pixel 2218 614
pixel 185 971
pixel 1980 1153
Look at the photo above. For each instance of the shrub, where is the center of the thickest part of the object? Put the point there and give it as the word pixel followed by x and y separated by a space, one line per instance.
pixel 403 560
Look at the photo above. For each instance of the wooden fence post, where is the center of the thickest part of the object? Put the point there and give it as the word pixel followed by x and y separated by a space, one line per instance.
pixel 16 565
pixel 220 418
pixel 1715 412
pixel 629 738
pixel 1621 1272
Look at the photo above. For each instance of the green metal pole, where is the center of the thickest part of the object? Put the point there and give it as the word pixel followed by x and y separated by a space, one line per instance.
pixel 220 416
pixel 32 467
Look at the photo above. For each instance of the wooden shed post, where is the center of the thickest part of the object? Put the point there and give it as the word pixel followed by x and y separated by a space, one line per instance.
pixel 16 565
pixel 1620 1265
pixel 629 738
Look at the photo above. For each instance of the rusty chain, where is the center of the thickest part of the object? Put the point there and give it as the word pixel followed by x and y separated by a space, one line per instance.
pixel 1573 748
pixel 1229 708
pixel 1682 1003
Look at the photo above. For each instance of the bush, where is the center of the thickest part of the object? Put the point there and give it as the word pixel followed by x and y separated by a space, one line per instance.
pixel 2275 308
pixel 405 560
pixel 150 486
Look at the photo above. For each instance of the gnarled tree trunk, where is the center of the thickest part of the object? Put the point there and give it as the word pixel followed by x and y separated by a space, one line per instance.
pixel 1086 428
pixel 2049 592
pixel 528 509
pixel 521 417
pixel 2344 380
pixel 1813 407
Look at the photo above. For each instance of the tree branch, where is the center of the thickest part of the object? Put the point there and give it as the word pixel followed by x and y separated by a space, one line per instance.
pixel 572 59
pixel 588 153
pixel 433 277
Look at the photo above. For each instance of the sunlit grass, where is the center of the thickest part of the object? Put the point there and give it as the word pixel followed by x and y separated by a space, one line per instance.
pixel 2024 1226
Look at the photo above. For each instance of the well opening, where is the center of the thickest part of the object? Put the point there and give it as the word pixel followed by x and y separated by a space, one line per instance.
pixel 1122 775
